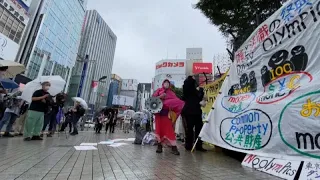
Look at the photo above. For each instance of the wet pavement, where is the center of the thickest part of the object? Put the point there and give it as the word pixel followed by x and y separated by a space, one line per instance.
pixel 56 159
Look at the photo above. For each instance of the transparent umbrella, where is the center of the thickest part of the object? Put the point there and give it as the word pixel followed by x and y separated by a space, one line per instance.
pixel 57 86
pixel 82 102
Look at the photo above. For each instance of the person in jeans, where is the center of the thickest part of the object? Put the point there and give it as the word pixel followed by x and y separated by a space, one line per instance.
pixel 77 112
pixel 35 116
pixel 10 115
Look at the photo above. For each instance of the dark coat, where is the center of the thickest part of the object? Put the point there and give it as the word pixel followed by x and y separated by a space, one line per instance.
pixel 192 97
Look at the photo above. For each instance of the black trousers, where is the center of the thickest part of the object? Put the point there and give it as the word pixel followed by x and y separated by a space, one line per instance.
pixel 50 119
pixel 112 125
pixel 98 127
pixel 193 121
pixel 107 127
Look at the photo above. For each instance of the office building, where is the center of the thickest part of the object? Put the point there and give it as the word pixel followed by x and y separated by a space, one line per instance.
pixel 194 53
pixel 91 75
pixel 52 44
pixel 114 88
pixel 14 17
pixel 144 93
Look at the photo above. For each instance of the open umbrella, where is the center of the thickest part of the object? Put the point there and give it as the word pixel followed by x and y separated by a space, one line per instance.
pixel 57 85
pixel 14 68
pixel 82 102
pixel 9 84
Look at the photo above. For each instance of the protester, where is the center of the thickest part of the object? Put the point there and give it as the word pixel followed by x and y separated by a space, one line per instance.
pixel 164 125
pixel 10 115
pixel 55 106
pixel 19 124
pixel 35 117
pixel 77 112
pixel 192 113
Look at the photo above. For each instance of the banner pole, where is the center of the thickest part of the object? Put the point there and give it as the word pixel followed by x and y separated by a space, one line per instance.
pixel 194 145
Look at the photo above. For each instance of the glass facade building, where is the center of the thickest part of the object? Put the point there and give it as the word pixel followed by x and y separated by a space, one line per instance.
pixel 57 33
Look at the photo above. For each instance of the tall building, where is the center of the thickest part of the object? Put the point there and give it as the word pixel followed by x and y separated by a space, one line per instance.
pixel 52 43
pixel 91 75
pixel 144 92
pixel 194 53
pixel 14 18
pixel 114 88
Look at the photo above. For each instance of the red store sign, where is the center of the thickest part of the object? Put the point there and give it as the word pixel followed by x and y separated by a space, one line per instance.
pixel 170 64
pixel 199 68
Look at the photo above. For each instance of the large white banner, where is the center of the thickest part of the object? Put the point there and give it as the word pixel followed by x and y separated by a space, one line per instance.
pixel 270 103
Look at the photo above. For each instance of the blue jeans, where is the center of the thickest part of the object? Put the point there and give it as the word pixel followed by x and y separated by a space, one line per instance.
pixel 8 118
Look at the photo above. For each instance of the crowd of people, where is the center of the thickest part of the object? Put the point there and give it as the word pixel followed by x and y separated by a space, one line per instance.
pixel 30 120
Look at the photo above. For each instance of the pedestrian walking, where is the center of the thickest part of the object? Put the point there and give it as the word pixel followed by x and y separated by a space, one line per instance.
pixel 192 113
pixel 35 116
pixel 164 125
pixel 11 113
pixel 114 121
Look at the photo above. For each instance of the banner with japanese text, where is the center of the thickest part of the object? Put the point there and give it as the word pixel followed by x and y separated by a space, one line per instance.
pixel 270 101
pixel 211 91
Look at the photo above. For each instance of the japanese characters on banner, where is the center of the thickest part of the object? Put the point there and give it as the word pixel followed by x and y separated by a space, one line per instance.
pixel 281 168
pixel 211 91
pixel 310 171
pixel 270 103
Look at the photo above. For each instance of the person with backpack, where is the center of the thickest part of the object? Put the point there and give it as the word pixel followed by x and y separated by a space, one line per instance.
pixel 77 112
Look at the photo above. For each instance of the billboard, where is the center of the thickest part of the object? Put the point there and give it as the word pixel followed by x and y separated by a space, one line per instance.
pixel 174 66
pixel 122 100
pixel 269 104
pixel 129 85
pixel 200 68
pixel 8 48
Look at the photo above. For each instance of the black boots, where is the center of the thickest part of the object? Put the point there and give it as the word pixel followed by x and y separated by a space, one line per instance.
pixel 174 150
pixel 159 149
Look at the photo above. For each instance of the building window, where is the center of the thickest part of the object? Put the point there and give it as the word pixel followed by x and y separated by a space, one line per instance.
pixel 10 26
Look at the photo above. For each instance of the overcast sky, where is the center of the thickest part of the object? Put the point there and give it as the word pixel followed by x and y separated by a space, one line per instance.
pixel 149 31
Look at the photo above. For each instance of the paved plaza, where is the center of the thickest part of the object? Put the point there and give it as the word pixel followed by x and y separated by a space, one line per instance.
pixel 56 159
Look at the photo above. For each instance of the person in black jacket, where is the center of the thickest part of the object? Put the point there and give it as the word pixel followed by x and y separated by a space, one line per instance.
pixel 50 116
pixel 77 112
pixel 192 113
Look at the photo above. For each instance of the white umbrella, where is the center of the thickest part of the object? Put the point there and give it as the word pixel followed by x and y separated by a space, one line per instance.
pixel 82 102
pixel 57 85
pixel 14 68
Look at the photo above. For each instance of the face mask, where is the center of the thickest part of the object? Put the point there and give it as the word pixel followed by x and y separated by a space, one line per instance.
pixel 166 85
pixel 46 88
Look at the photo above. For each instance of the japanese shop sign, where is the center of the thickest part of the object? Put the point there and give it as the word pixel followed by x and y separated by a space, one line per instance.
pixel 171 67
pixel 269 104
pixel 281 168
pixel 16 9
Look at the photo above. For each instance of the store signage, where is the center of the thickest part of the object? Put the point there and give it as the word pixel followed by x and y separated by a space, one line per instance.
pixel 25 3
pixel 170 64
pixel 16 9
pixel 199 68
pixel 171 67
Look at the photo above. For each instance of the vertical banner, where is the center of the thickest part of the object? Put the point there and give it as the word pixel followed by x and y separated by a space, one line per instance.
pixel 94 86
pixel 83 74
pixel 211 91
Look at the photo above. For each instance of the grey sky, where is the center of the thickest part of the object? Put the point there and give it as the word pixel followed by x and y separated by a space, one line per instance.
pixel 148 30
